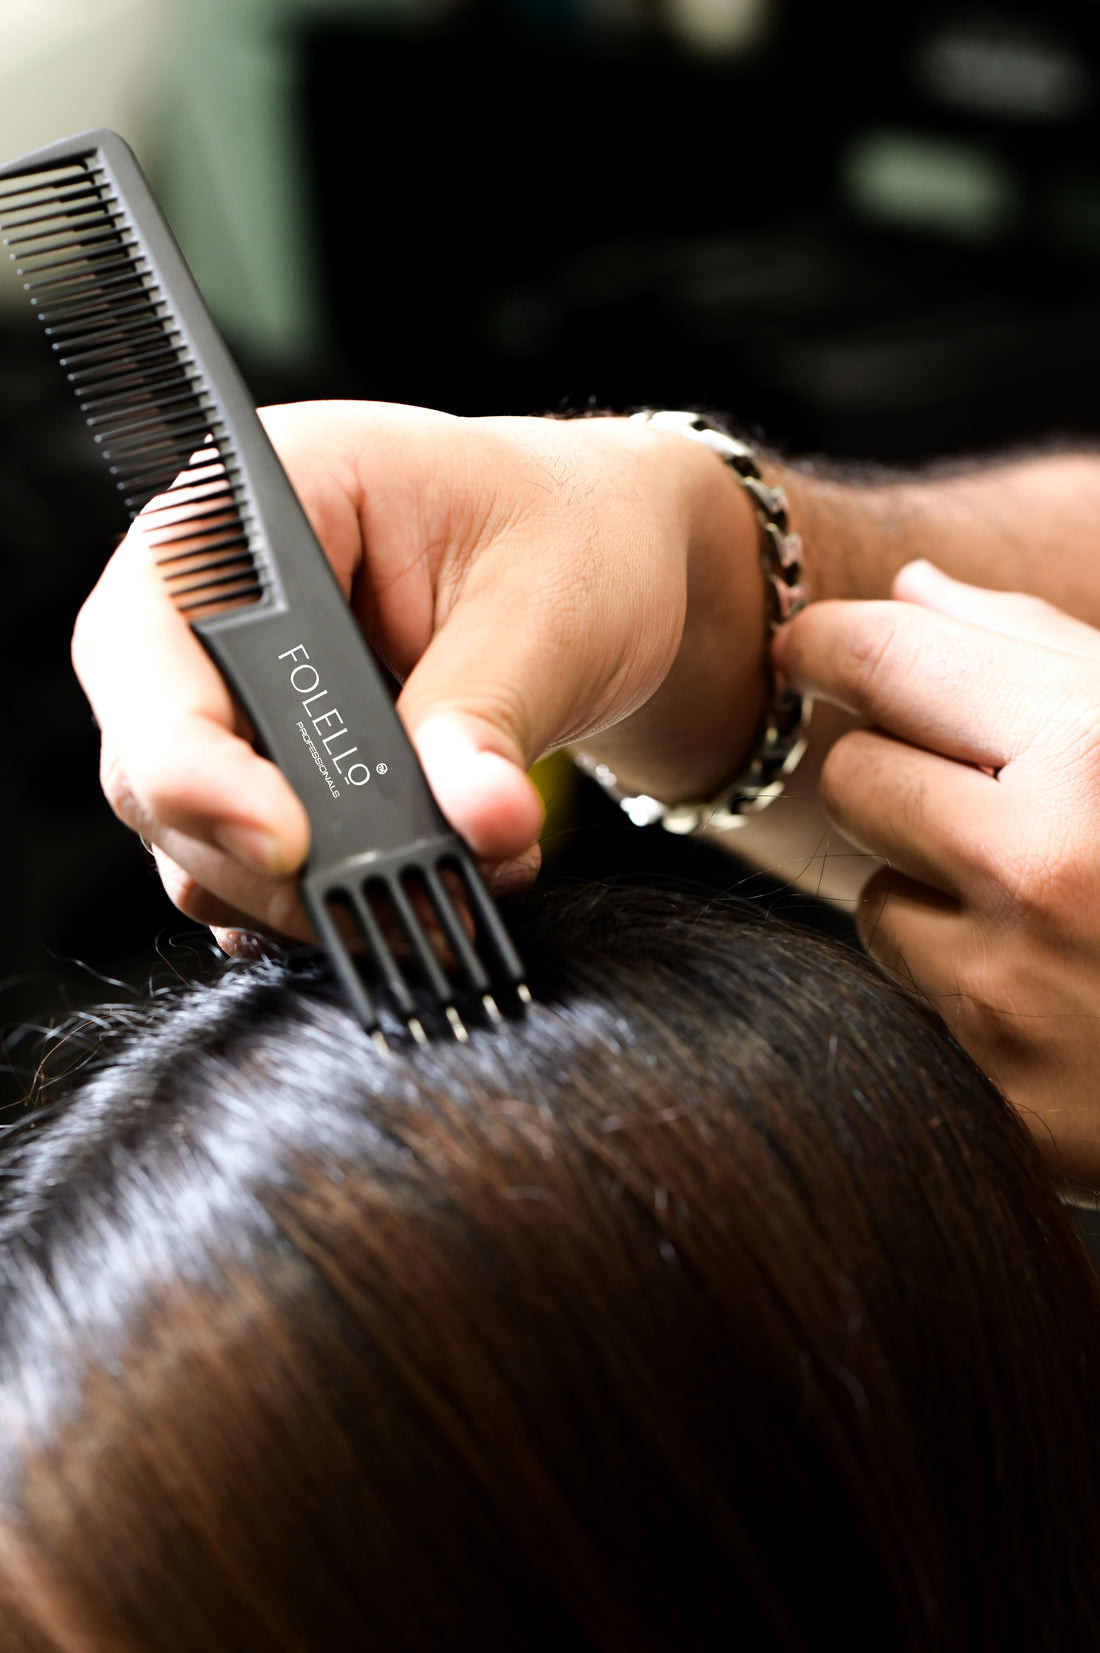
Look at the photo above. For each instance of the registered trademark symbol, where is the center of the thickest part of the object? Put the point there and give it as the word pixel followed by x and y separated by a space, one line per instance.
pixel 380 768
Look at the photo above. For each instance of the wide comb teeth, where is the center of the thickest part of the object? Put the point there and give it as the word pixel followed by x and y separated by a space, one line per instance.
pixel 398 931
pixel 136 382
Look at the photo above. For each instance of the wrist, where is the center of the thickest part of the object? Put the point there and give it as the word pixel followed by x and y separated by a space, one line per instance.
pixel 700 726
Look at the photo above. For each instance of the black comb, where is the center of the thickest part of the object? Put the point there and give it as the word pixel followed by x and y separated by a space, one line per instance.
pixel 388 882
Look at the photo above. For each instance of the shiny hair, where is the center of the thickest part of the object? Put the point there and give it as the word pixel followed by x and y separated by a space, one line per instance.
pixel 718 1302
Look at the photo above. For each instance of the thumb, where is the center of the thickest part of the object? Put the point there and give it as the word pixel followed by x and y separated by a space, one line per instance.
pixel 480 706
pixel 1011 613
pixel 479 781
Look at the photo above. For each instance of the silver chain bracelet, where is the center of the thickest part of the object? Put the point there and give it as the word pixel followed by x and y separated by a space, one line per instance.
pixel 783 732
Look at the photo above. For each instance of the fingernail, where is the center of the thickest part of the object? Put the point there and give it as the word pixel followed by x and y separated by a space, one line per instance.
pixel 923 572
pixel 251 845
pixel 444 746
pixel 781 683
pixel 509 877
pixel 246 945
pixel 455 766
pixel 227 940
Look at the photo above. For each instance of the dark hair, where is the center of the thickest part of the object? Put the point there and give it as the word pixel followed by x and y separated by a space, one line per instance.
pixel 718 1302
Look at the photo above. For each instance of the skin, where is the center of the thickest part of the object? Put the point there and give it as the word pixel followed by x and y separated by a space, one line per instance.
pixel 538 583
pixel 527 579
pixel 977 781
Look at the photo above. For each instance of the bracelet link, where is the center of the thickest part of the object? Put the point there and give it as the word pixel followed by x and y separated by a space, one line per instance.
pixel 783 732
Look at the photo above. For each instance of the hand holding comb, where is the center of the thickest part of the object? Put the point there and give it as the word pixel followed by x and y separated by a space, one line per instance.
pixel 175 423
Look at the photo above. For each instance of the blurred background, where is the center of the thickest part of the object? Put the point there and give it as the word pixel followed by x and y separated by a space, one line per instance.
pixel 872 233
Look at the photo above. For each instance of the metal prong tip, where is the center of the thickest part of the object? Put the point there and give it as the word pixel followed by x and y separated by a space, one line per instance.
pixel 492 1009
pixel 523 993
pixel 457 1026
pixel 417 1031
pixel 378 1039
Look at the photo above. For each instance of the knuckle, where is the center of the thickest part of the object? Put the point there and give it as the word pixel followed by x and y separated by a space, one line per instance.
pixel 115 784
pixel 860 654
pixel 185 892
pixel 155 800
pixel 1042 863
pixel 1048 886
pixel 1075 740
pixel 1045 868
pixel 163 791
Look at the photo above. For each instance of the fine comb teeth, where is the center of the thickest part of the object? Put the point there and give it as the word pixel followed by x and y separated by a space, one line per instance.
pixel 394 894
pixel 136 382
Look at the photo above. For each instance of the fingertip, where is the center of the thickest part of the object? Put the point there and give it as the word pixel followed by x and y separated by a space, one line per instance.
pixel 246 945
pixel 230 941
pixel 785 652
pixel 487 796
pixel 919 578
pixel 777 650
pixel 211 785
pixel 503 811
pixel 510 877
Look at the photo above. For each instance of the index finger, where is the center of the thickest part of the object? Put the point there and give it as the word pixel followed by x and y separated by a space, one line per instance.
pixel 172 722
pixel 937 682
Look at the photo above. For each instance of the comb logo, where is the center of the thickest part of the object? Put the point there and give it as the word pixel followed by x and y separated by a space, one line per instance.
pixel 305 680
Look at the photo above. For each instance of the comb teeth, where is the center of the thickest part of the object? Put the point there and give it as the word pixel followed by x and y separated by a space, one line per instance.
pixel 418 932
pixel 135 380
pixel 394 895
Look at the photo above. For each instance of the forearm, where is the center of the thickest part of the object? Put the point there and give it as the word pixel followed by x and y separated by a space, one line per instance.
pixel 694 731
pixel 1028 525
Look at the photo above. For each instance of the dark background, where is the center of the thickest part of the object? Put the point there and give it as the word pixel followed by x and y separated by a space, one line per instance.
pixel 871 234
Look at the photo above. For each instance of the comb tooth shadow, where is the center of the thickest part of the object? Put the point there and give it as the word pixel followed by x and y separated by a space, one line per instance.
pixel 443 890
pixel 390 951
pixel 421 944
pixel 198 540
